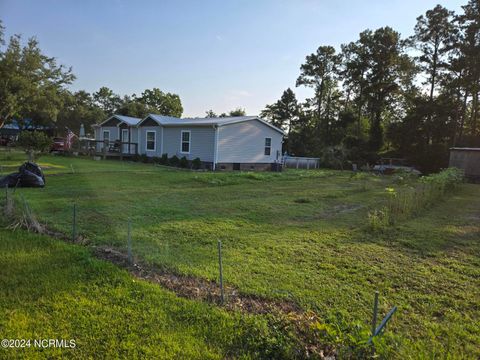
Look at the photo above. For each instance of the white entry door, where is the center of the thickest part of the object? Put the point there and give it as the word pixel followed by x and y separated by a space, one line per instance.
pixel 125 149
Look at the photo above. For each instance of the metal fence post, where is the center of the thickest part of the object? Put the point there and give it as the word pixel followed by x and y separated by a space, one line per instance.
pixel 74 222
pixel 129 239
pixel 221 271
pixel 375 312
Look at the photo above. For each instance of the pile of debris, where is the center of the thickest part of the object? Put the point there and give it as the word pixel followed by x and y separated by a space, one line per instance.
pixel 28 175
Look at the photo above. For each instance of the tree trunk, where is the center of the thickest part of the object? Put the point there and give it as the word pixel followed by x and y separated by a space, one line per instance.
pixel 475 113
pixel 319 100
pixel 432 89
pixel 359 110
pixel 464 114
pixel 434 71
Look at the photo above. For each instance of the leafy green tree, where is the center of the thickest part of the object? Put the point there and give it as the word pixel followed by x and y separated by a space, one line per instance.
pixel 79 108
pixel 353 72
pixel 31 84
pixel 34 143
pixel 469 58
pixel 210 114
pixel 134 108
pixel 107 100
pixel 387 62
pixel 237 112
pixel 433 37
pixel 319 72
pixel 284 112
pixel 157 101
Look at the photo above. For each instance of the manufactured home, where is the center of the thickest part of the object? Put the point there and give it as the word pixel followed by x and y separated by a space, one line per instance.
pixel 230 143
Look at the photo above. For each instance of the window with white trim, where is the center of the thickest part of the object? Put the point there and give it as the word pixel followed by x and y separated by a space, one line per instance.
pixel 268 146
pixel 151 135
pixel 185 143
pixel 106 135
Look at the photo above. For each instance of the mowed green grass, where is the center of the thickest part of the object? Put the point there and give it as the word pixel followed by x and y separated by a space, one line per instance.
pixel 299 235
pixel 54 290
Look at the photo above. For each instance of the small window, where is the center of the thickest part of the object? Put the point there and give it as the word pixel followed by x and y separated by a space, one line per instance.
pixel 151 140
pixel 106 135
pixel 268 146
pixel 185 142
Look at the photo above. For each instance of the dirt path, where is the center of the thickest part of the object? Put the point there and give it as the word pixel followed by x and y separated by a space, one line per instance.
pixel 196 288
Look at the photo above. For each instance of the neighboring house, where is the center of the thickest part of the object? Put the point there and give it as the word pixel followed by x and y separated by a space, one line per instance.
pixel 235 143
pixel 467 159
pixel 118 128
pixel 11 131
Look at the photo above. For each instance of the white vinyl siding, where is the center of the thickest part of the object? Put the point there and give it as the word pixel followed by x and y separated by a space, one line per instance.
pixel 202 142
pixel 151 140
pixel 244 142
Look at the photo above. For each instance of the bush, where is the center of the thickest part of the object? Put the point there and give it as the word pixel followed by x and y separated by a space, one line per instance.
pixel 144 158
pixel 164 159
pixel 183 162
pixel 34 143
pixel 136 158
pixel 174 161
pixel 196 163
pixel 334 157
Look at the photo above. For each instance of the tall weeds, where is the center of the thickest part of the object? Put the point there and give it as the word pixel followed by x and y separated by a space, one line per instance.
pixel 409 199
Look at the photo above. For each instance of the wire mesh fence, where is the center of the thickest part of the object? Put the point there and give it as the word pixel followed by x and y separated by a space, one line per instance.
pixel 208 274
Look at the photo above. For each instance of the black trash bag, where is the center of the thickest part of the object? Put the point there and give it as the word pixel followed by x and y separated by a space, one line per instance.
pixel 32 168
pixel 29 175
pixel 29 179
pixel 11 180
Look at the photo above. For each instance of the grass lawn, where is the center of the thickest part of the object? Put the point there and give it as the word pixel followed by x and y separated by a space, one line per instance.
pixel 54 290
pixel 299 235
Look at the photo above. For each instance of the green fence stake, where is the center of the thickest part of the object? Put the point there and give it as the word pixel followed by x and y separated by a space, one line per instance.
pixel 74 222
pixel 129 242
pixel 221 271
pixel 375 312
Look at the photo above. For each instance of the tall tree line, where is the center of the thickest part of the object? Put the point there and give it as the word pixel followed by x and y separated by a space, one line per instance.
pixel 387 96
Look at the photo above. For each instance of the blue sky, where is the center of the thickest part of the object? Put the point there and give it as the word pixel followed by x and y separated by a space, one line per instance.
pixel 215 54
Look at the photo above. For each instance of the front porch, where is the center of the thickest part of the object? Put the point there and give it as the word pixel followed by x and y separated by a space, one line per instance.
pixel 108 149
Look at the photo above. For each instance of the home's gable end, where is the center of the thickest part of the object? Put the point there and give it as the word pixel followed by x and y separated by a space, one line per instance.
pixel 249 142
pixel 258 119
pixel 117 120
pixel 148 121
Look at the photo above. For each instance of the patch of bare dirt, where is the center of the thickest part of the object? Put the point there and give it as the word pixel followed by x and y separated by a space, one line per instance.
pixel 197 288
